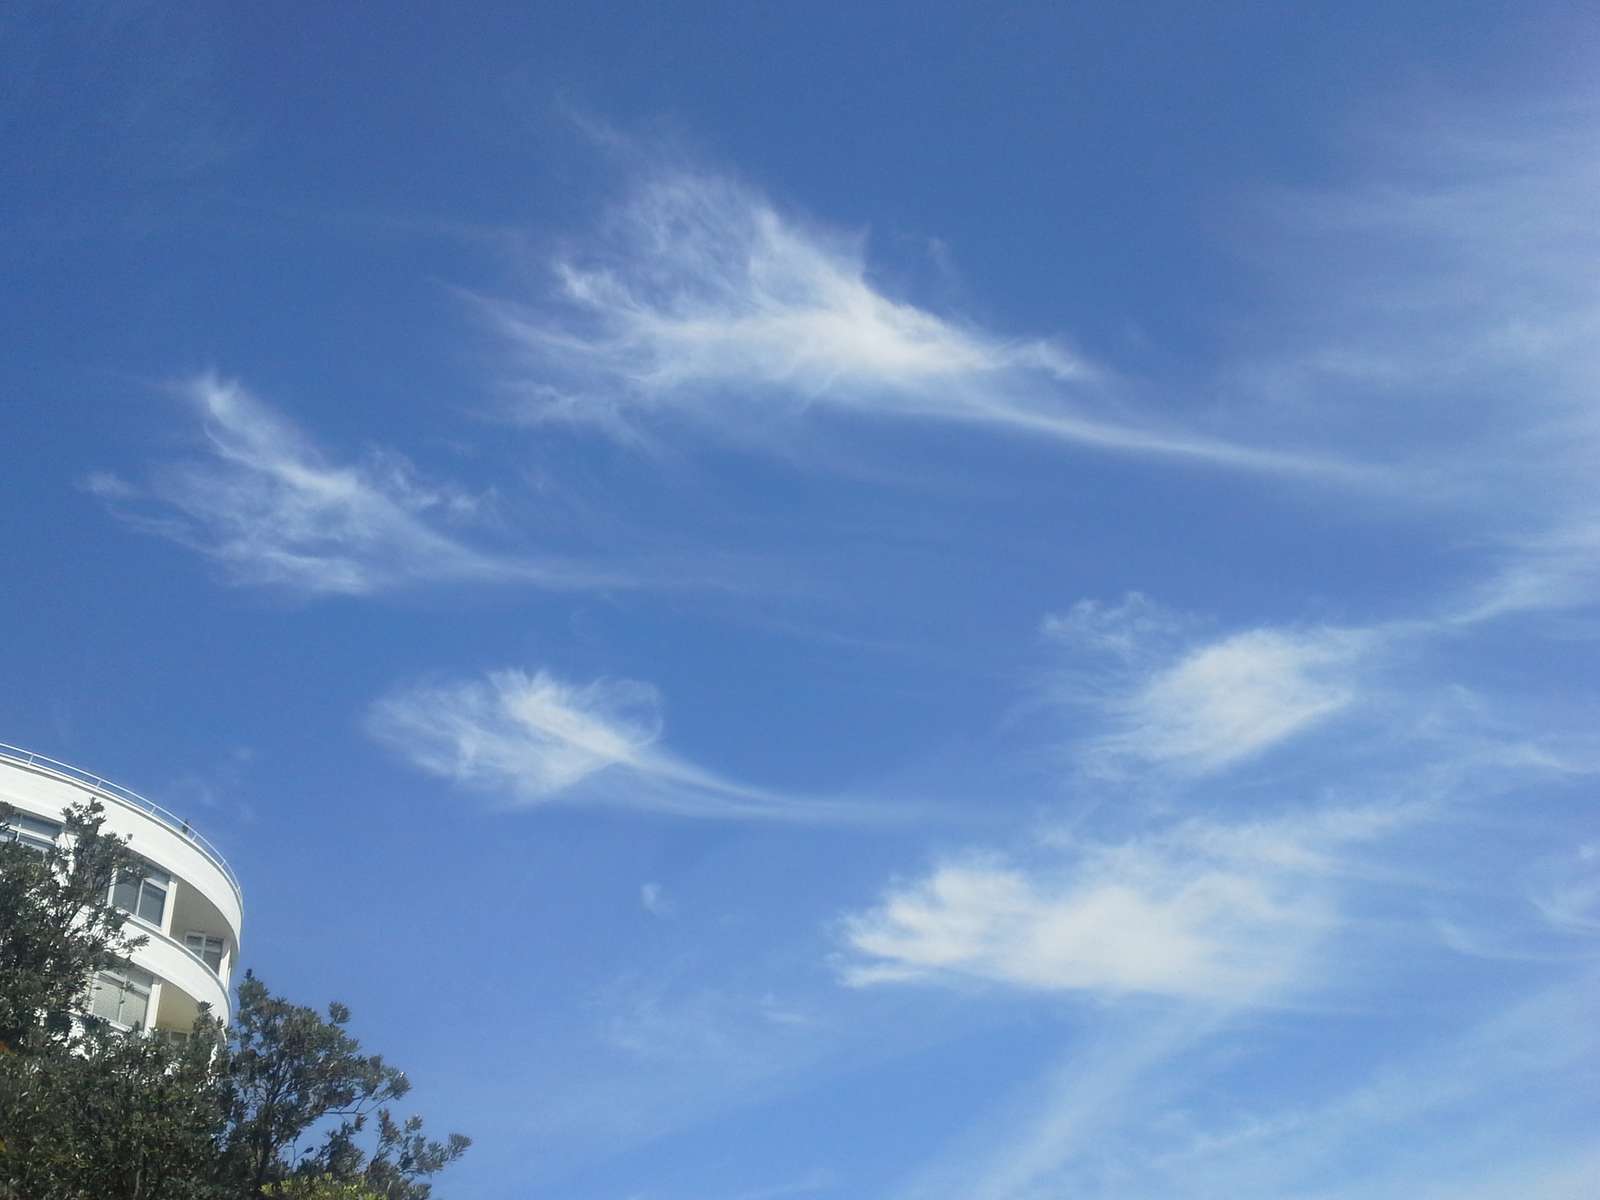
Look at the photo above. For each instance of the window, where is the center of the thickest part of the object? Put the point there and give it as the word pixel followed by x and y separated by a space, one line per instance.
pixel 207 948
pixel 33 832
pixel 145 897
pixel 121 995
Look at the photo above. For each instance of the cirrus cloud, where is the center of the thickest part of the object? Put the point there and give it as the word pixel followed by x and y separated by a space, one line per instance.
pixel 1202 910
pixel 534 739
pixel 272 508
pixel 699 297
pixel 1189 706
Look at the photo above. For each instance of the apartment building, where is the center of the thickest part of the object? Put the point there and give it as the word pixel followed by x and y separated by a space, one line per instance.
pixel 186 901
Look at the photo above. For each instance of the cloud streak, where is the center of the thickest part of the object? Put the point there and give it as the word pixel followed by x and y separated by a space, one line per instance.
pixel 274 509
pixel 699 297
pixel 534 739
pixel 1202 910
pixel 1184 706
pixel 1235 698
pixel 1495 1112
pixel 1445 303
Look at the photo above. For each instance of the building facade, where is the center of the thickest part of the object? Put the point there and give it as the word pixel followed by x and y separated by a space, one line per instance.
pixel 187 901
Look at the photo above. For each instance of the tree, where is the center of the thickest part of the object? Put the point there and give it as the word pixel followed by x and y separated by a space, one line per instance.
pixel 117 1116
pixel 85 1110
pixel 319 1187
pixel 401 1161
pixel 89 1112
pixel 56 927
pixel 290 1071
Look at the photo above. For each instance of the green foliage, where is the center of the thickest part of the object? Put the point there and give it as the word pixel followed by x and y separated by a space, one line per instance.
pixel 320 1187
pixel 291 1071
pixel 116 1117
pixel 401 1160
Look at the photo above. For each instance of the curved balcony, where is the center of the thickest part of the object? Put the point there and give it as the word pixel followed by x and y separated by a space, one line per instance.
pixel 158 835
pixel 175 965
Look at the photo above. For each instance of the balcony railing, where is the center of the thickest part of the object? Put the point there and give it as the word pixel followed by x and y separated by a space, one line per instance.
pixel 116 792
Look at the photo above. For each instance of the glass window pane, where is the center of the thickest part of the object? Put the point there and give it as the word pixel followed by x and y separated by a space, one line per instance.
pixel 125 894
pixel 31 831
pixel 207 947
pixel 134 1006
pixel 152 902
pixel 105 998
pixel 144 895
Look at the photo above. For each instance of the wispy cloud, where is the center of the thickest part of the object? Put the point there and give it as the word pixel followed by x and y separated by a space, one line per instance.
pixel 108 486
pixel 1567 894
pixel 1443 304
pixel 654 900
pixel 1230 907
pixel 536 739
pixel 1192 706
pixel 1536 1049
pixel 273 508
pixel 1131 631
pixel 1540 571
pixel 1201 910
pixel 1235 698
pixel 1498 1112
pixel 699 296
pixel 677 1042
pixel 1162 695
pixel 818 1179
pixel 1081 1100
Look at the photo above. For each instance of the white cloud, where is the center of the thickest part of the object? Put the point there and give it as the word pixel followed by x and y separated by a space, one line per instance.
pixel 536 739
pixel 1204 909
pixel 1206 934
pixel 701 297
pixel 1131 631
pixel 653 899
pixel 1567 894
pixel 1201 910
pixel 274 509
pixel 533 734
pixel 108 486
pixel 1233 699
pixel 1543 572
pixel 1191 707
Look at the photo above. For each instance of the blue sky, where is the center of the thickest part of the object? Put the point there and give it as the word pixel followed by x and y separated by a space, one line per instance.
pixel 927 602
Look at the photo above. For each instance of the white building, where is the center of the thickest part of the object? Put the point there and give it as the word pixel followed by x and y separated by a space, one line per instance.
pixel 187 904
